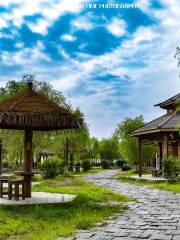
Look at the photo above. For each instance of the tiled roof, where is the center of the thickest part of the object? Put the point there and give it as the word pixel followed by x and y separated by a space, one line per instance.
pixel 165 122
pixel 169 101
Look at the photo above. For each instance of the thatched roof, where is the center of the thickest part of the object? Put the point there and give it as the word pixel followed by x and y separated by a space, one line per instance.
pixel 33 109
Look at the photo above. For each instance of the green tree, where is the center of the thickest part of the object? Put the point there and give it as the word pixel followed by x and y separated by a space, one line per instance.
pixel 109 149
pixel 13 87
pixel 128 144
pixel 94 149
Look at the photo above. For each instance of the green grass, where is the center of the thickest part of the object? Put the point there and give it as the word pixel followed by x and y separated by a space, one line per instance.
pixel 46 222
pixel 165 185
pixel 70 174
pixel 129 172
pixel 133 172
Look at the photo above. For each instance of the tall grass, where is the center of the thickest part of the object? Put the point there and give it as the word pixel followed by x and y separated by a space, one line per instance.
pixel 47 222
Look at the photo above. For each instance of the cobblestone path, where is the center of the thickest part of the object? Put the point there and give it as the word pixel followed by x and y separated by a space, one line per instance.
pixel 155 215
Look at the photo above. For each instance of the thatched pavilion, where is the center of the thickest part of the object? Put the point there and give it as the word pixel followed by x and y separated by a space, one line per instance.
pixel 31 111
pixel 163 130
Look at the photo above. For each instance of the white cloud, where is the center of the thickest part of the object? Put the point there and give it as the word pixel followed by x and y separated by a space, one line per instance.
pixel 117 27
pixel 50 11
pixel 40 26
pixel 3 23
pixel 83 22
pixel 68 37
pixel 28 58
pixel 152 46
pixel 142 35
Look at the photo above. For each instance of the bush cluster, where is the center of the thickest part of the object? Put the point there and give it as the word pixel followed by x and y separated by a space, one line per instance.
pixel 106 164
pixel 120 163
pixel 86 164
pixel 51 167
pixel 171 167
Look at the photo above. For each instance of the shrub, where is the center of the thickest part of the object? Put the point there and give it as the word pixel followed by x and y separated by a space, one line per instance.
pixel 120 163
pixel 171 167
pixel 106 164
pixel 126 167
pixel 5 164
pixel 78 165
pixel 86 164
pixel 51 167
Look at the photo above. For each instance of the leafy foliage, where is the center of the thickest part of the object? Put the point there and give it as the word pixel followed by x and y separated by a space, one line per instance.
pixel 128 144
pixel 13 87
pixel 51 167
pixel 105 164
pixel 94 147
pixel 120 162
pixel 109 149
pixel 171 167
pixel 86 164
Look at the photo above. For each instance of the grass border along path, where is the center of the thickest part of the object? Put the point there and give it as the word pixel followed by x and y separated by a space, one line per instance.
pixel 47 222
pixel 165 185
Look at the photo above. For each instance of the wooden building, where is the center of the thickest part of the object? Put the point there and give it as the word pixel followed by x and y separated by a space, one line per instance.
pixel 164 131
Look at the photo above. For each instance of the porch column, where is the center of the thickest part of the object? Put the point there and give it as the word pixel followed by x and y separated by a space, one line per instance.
pixel 178 149
pixel 139 157
pixel 66 155
pixel 160 153
pixel 165 146
pixel 0 156
pixel 28 161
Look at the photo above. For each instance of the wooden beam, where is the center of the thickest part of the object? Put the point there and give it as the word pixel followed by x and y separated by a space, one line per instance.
pixel 28 160
pixel 139 157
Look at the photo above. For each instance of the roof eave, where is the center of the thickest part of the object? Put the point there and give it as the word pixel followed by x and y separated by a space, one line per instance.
pixel 158 130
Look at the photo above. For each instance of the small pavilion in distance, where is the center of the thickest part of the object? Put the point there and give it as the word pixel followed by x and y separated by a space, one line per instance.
pixel 163 131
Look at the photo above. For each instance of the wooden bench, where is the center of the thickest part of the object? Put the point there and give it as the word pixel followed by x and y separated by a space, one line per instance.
pixel 2 190
pixel 14 189
pixel 156 173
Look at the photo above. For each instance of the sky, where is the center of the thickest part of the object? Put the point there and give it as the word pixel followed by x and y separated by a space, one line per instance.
pixel 112 63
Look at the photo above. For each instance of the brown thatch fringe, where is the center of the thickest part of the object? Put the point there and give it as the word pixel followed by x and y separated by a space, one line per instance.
pixel 39 121
pixel 31 109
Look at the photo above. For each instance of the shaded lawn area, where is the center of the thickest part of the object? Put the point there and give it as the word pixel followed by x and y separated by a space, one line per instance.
pixel 46 222
pixel 165 185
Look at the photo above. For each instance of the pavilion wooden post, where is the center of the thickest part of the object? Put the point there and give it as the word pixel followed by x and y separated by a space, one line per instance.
pixel 71 158
pixel 178 149
pixel 0 156
pixel 160 153
pixel 165 146
pixel 139 157
pixel 28 161
pixel 66 155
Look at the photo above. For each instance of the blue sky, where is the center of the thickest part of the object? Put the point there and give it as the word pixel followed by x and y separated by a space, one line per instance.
pixel 112 63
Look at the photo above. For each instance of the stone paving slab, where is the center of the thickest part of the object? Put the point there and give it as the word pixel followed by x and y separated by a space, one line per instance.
pixel 155 215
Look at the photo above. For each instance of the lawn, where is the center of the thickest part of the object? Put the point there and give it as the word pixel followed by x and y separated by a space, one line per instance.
pixel 166 185
pixel 46 222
